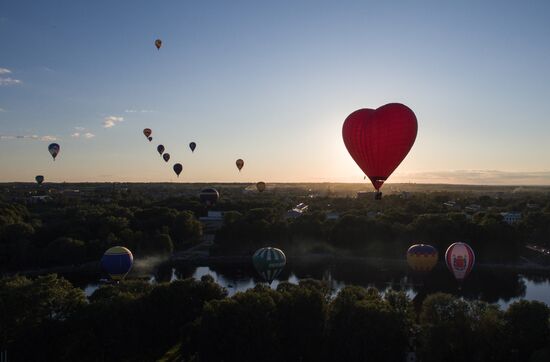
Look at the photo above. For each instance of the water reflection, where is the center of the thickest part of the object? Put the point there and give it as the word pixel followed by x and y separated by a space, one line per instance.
pixel 500 286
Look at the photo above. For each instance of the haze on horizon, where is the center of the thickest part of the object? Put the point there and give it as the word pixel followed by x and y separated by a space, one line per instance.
pixel 272 83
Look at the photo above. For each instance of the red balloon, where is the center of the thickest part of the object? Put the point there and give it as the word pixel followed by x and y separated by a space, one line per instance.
pixel 379 139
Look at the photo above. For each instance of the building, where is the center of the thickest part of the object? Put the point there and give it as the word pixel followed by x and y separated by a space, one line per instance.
pixel 450 204
pixel 39 199
pixel 472 208
pixel 511 217
pixel 212 222
pixel 297 211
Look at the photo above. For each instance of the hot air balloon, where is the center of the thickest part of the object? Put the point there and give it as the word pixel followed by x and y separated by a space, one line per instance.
pixel 54 149
pixel 269 262
pixel 39 179
pixel 422 257
pixel 460 259
pixel 260 186
pixel 166 157
pixel 158 43
pixel 192 146
pixel 209 196
pixel 178 168
pixel 117 262
pixel 160 149
pixel 147 132
pixel 379 139
pixel 240 164
pixel 150 138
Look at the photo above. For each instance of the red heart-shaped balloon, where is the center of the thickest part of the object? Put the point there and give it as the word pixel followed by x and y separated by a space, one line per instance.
pixel 379 139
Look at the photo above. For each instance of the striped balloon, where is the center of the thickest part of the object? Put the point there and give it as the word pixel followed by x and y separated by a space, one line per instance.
pixel 422 257
pixel 117 262
pixel 269 262
pixel 460 259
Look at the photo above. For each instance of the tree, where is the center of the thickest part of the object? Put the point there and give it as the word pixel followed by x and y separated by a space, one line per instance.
pixel 363 326
pixel 65 251
pixel 528 327
pixel 27 304
pixel 186 228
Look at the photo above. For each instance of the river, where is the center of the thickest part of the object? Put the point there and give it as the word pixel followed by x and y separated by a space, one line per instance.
pixel 494 285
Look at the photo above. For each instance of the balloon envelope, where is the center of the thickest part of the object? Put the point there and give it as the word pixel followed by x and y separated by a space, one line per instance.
pixel 39 179
pixel 160 149
pixel 260 186
pixel 178 168
pixel 422 257
pixel 379 139
pixel 117 262
pixel 150 138
pixel 166 157
pixel 54 149
pixel 158 43
pixel 209 196
pixel 239 163
pixel 147 132
pixel 269 262
pixel 192 146
pixel 460 259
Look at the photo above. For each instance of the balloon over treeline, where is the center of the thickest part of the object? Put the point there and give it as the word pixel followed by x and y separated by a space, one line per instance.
pixel 209 196
pixel 269 262
pixel 166 157
pixel 117 262
pixel 160 149
pixel 39 179
pixel 260 186
pixel 422 257
pixel 192 146
pixel 158 43
pixel 54 149
pixel 379 139
pixel 460 259
pixel 240 164
pixel 178 168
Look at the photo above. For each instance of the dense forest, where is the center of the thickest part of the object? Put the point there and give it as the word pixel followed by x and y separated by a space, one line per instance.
pixel 48 319
pixel 196 320
pixel 156 220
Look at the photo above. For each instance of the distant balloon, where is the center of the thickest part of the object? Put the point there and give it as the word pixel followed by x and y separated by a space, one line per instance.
pixel 158 43
pixel 160 149
pixel 209 196
pixel 39 179
pixel 54 149
pixel 269 262
pixel 260 186
pixel 150 138
pixel 147 132
pixel 422 257
pixel 178 168
pixel 192 146
pixel 379 139
pixel 117 262
pixel 460 259
pixel 240 164
pixel 166 157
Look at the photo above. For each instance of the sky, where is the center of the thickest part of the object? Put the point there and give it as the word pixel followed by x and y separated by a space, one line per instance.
pixel 271 82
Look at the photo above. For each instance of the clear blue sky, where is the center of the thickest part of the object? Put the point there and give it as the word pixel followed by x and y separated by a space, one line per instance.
pixel 271 82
